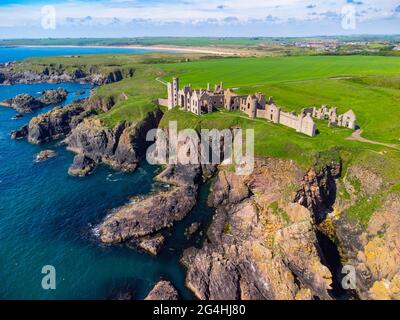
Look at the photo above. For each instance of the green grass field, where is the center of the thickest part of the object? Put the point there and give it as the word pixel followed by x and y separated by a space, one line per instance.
pixel 266 70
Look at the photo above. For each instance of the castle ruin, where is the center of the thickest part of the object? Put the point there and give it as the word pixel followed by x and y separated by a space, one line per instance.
pixel 255 106
pixel 347 120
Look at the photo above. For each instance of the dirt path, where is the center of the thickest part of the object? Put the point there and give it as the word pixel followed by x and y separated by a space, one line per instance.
pixel 356 136
pixel 161 81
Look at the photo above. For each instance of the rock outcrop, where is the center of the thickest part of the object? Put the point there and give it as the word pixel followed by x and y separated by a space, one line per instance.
pixel 121 147
pixel 192 229
pixel 45 155
pixel 25 103
pixel 150 244
pixel 54 124
pixel 20 133
pixel 318 190
pixel 140 221
pixel 163 290
pixel 81 166
pixel 53 97
pixel 145 217
pixel 260 245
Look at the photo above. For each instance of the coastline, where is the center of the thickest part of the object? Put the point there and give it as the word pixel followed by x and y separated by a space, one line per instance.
pixel 215 51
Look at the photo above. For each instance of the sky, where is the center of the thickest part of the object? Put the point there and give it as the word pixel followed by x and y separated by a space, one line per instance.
pixel 215 18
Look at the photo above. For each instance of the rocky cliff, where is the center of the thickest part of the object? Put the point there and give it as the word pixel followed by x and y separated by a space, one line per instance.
pixel 55 124
pixel 25 103
pixel 260 244
pixel 121 147
pixel 142 220
pixel 366 226
pixel 163 290
pixel 53 97
pixel 318 189
pixel 359 213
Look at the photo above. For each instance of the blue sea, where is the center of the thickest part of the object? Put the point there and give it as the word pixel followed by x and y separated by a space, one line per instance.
pixel 46 216
pixel 19 53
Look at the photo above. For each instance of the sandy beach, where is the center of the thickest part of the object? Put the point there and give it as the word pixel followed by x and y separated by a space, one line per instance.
pixel 205 50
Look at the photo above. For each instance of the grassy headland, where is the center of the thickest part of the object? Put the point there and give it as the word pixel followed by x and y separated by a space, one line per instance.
pixel 368 85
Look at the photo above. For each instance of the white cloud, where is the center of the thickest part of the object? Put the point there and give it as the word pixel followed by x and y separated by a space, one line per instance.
pixel 194 11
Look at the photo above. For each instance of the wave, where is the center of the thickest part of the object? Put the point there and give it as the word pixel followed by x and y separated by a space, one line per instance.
pixel 111 178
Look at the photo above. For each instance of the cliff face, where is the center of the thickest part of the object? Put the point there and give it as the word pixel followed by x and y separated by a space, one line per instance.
pixel 359 213
pixel 374 252
pixel 121 147
pixel 55 124
pixel 260 245
pixel 318 190
pixel 373 246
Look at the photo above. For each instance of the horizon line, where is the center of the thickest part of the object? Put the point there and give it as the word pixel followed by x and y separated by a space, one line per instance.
pixel 213 37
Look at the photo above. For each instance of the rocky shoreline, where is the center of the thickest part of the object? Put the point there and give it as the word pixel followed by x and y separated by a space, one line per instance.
pixel 143 221
pixel 122 147
pixel 10 74
pixel 263 241
pixel 54 124
pixel 25 103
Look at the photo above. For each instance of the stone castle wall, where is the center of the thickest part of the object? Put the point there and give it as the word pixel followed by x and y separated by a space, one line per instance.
pixel 255 106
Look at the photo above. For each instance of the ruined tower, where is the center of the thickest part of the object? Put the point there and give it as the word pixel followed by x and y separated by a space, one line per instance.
pixel 251 106
pixel 173 88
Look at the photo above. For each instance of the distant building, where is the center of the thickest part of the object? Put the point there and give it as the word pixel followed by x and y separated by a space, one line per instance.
pixel 255 106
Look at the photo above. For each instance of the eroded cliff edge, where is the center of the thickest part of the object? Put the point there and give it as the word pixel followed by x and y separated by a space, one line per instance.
pixel 365 224
pixel 121 147
pixel 268 236
pixel 260 245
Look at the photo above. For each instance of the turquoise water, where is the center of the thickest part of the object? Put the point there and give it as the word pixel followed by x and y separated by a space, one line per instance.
pixel 46 219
